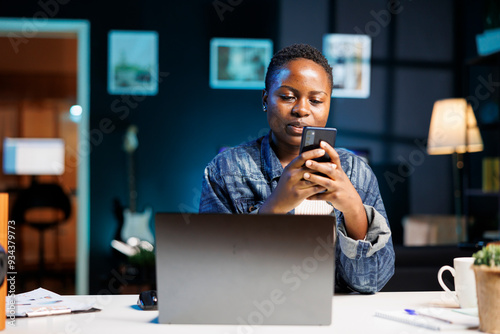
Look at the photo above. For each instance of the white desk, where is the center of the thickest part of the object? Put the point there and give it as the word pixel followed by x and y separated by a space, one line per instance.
pixel 351 314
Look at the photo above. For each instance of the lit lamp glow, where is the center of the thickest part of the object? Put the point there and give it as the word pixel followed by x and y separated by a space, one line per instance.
pixel 75 113
pixel 454 130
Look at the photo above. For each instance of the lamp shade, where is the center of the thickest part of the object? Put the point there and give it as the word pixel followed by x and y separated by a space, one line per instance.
pixel 453 128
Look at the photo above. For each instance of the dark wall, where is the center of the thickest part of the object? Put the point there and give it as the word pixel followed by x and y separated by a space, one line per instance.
pixel 182 127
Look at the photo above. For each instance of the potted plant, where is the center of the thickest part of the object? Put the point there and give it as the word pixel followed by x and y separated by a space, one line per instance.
pixel 487 271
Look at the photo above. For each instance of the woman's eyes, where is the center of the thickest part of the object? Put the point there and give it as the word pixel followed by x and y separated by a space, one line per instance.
pixel 287 98
pixel 316 101
pixel 290 98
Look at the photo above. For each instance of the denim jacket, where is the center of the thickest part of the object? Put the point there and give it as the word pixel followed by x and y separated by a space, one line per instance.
pixel 240 179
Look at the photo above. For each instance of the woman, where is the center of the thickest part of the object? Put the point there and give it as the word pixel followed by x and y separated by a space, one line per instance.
pixel 269 175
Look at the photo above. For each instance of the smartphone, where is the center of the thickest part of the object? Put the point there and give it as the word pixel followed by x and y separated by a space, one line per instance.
pixel 312 136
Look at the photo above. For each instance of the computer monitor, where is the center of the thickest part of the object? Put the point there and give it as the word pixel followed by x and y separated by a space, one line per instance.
pixel 33 156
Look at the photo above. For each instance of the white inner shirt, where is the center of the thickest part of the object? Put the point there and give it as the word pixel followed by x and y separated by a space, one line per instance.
pixel 310 207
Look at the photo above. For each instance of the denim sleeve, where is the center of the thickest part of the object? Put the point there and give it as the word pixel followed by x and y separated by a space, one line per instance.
pixel 365 265
pixel 214 197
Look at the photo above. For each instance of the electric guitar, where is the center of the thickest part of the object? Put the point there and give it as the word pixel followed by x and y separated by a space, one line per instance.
pixel 135 224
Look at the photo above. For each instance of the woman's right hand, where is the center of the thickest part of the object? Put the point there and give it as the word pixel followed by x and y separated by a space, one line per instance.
pixel 292 188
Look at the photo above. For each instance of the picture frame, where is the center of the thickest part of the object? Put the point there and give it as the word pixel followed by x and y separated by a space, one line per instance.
pixel 132 62
pixel 349 55
pixel 239 63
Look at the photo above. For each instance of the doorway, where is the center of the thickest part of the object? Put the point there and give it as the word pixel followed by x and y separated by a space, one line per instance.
pixel 18 33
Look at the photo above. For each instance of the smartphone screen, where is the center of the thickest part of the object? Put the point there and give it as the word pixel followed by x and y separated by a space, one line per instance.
pixel 312 136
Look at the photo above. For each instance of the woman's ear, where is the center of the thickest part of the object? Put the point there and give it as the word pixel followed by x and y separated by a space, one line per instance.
pixel 264 100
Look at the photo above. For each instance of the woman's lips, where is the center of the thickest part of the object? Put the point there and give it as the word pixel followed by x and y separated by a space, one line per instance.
pixel 294 129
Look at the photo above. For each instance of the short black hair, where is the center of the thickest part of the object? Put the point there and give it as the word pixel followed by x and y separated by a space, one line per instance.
pixel 293 52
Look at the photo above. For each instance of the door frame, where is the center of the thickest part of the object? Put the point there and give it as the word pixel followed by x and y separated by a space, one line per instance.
pixel 62 28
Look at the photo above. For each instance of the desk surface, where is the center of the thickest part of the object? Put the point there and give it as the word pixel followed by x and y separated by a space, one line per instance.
pixel 351 314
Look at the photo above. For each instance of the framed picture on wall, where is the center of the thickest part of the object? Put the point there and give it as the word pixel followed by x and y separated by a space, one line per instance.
pixel 239 63
pixel 349 55
pixel 132 62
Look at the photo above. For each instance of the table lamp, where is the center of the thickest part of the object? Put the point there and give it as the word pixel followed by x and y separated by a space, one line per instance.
pixel 454 130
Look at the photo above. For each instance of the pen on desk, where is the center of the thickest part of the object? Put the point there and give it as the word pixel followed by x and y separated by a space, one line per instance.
pixel 414 312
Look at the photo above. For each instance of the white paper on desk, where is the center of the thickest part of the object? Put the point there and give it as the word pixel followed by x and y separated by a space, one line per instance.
pixel 41 302
pixel 459 321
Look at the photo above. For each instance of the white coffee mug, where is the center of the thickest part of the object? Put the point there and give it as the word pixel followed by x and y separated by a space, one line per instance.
pixel 465 282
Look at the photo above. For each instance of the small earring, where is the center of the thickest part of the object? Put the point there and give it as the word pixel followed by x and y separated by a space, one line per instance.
pixel 264 107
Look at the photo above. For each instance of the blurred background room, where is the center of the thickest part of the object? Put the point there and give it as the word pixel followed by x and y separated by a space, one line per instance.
pixel 130 152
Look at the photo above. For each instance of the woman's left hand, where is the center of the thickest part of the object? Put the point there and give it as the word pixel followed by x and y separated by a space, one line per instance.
pixel 339 191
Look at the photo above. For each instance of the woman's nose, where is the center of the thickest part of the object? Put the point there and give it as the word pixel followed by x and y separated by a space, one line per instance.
pixel 301 108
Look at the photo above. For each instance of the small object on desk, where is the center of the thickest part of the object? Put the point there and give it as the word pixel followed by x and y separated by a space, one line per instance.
pixel 148 300
pixel 42 302
pixel 434 318
pixel 414 312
